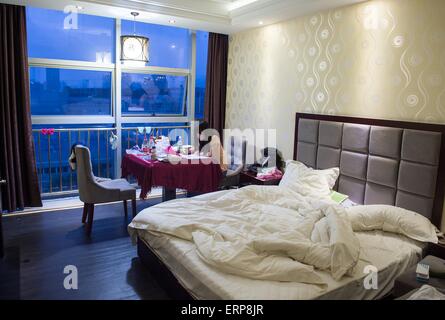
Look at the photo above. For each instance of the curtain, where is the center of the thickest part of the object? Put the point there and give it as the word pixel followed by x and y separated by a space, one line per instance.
pixel 17 157
pixel 216 82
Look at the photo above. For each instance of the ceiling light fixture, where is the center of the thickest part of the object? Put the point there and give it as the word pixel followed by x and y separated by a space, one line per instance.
pixel 260 23
pixel 171 21
pixel 79 7
pixel 133 47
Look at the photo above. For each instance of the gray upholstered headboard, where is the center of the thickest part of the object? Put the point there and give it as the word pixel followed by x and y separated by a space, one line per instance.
pixel 380 161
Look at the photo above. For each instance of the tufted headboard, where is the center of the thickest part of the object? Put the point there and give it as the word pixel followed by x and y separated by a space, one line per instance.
pixel 381 161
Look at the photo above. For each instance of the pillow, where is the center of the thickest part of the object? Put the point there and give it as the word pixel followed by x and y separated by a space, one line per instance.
pixel 307 181
pixel 392 219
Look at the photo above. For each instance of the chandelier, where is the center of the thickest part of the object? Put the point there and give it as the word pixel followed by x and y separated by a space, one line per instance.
pixel 133 47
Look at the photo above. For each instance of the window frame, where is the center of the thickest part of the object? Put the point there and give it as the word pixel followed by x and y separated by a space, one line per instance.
pixel 117 118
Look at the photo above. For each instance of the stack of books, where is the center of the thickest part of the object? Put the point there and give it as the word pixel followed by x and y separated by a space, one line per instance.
pixel 422 272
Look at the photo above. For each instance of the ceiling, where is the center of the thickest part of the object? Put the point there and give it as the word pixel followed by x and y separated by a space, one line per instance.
pixel 223 16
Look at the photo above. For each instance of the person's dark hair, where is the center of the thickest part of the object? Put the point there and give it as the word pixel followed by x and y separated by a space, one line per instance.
pixel 202 126
pixel 73 151
pixel 275 156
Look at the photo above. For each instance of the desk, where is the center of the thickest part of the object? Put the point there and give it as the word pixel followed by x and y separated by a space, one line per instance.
pixel 190 176
pixel 249 178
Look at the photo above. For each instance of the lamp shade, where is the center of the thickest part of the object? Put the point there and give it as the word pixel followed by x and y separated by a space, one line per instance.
pixel 134 48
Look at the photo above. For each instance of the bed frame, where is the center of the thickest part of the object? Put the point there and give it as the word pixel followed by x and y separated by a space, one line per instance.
pixel 161 272
pixel 174 288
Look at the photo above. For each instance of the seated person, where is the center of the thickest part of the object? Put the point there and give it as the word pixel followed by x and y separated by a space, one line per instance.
pixel 213 148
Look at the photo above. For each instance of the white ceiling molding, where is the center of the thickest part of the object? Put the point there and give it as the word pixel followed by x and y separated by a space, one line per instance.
pixel 270 12
pixel 222 16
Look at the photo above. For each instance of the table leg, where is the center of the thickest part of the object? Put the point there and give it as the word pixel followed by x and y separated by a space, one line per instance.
pixel 168 194
pixel 191 194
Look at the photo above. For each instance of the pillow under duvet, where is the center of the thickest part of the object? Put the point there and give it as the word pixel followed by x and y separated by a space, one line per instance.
pixel 392 219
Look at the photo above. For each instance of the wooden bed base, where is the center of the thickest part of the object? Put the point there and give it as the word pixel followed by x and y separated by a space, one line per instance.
pixel 162 273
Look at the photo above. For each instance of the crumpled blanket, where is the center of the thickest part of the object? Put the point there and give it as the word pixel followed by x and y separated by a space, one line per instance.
pixel 260 233
pixel 426 292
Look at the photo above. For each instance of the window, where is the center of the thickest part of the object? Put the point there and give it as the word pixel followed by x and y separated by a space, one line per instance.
pixel 202 40
pixel 57 91
pixel 73 85
pixel 153 94
pixel 168 47
pixel 51 37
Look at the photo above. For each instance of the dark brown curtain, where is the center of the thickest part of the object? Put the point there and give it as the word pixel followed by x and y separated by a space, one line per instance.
pixel 216 81
pixel 17 160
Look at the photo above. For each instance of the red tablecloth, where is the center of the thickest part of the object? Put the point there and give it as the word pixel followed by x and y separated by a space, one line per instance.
pixel 191 177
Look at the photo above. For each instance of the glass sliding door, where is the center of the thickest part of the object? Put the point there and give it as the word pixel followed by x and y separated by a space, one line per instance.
pixel 82 93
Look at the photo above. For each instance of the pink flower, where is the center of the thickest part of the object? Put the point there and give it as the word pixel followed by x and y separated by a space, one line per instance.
pixel 46 131
pixel 170 150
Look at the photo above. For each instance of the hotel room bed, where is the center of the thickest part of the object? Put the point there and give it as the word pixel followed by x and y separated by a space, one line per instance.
pixel 391 254
pixel 390 163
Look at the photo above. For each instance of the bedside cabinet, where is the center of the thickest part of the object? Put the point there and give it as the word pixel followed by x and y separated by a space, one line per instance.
pixel 436 249
pixel 249 178
pixel 407 282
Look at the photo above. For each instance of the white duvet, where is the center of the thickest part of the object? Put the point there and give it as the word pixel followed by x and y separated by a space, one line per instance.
pixel 275 233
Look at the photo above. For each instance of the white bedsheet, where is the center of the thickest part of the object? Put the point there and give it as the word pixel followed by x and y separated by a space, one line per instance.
pixel 391 254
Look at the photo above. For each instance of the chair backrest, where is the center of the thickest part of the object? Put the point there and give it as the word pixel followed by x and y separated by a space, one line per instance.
pixel 85 176
pixel 237 153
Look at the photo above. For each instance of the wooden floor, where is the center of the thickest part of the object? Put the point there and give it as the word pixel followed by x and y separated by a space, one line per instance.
pixel 39 246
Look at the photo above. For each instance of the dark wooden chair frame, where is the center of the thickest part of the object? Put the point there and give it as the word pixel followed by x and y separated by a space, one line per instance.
pixel 88 214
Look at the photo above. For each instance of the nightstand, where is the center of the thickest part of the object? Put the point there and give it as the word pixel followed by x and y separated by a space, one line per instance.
pixel 407 282
pixel 436 249
pixel 249 178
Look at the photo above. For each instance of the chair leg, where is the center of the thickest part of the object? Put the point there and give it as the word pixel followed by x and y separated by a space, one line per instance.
pixel 125 208
pixel 133 207
pixel 85 212
pixel 90 218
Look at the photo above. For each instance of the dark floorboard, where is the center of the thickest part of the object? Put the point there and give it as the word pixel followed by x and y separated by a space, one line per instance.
pixel 39 246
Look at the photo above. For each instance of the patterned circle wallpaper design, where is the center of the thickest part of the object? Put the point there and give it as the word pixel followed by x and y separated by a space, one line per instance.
pixel 381 59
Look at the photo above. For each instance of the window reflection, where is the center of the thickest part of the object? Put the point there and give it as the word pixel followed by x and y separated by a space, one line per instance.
pixel 70 92
pixel 153 94
pixel 202 39
pixel 93 40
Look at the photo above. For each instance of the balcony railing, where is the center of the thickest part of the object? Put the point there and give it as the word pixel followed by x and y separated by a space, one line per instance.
pixel 53 147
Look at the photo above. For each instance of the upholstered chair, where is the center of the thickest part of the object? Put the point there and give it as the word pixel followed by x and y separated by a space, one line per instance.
pixel 237 159
pixel 94 190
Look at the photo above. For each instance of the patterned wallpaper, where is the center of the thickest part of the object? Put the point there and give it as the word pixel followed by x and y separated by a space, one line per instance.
pixel 381 59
